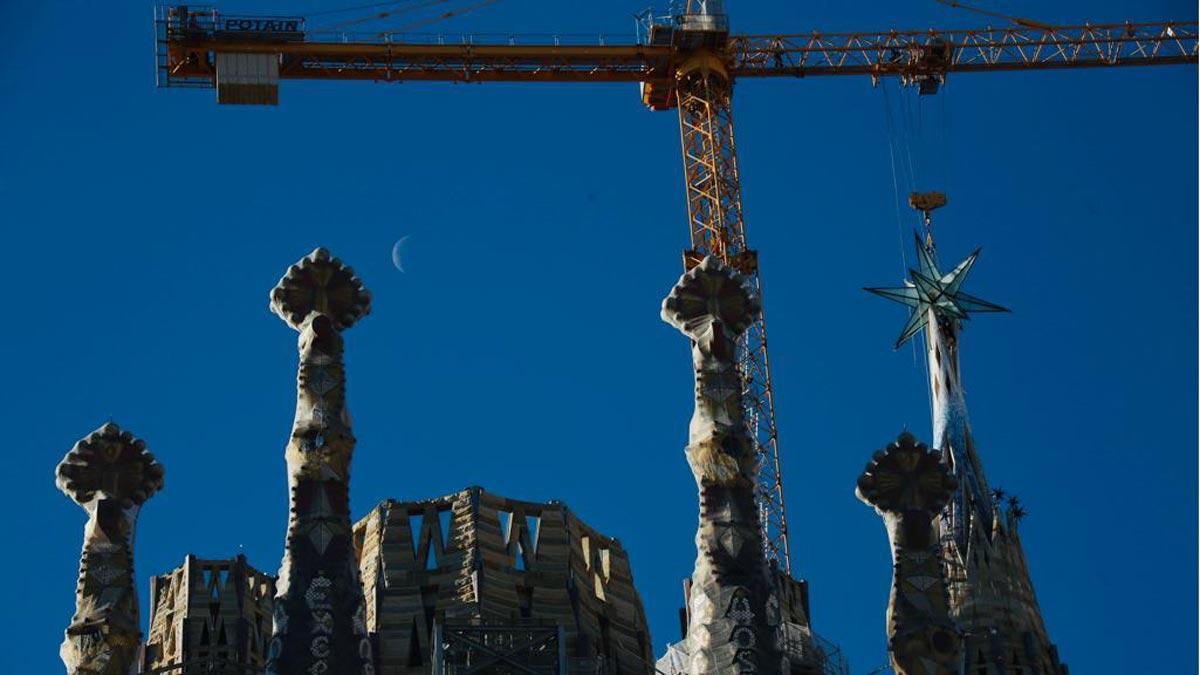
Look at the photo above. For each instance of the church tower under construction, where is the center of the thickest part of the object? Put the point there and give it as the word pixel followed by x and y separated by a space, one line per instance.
pixel 989 596
pixel 473 582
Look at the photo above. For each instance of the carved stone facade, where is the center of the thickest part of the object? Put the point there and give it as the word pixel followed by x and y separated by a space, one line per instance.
pixel 209 616
pixel 733 613
pixel 110 474
pixel 479 559
pixel 908 486
pixel 319 615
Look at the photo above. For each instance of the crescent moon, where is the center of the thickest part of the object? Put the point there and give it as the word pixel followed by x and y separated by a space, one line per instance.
pixel 396 250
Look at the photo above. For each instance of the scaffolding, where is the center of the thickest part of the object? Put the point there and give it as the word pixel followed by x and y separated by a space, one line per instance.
pixel 499 648
pixel 807 654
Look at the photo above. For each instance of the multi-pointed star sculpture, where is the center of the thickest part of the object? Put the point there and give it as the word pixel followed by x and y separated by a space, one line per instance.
pixel 930 289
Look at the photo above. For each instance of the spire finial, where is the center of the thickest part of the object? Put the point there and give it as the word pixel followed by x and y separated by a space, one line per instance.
pixel 932 291
pixel 908 486
pixel 110 474
pixel 320 283
pixel 906 476
pixel 1017 513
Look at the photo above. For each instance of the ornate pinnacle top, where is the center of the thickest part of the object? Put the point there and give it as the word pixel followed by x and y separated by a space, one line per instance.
pixel 931 289
pixel 320 283
pixel 710 291
pixel 111 462
pixel 906 476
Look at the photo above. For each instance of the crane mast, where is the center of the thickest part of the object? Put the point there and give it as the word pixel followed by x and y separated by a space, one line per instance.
pixel 704 98
pixel 688 63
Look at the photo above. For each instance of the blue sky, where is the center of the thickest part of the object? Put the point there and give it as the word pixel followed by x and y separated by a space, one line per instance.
pixel 523 351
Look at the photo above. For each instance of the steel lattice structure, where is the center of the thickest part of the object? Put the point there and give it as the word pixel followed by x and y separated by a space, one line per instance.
pixel 688 62
pixel 714 200
pixel 987 49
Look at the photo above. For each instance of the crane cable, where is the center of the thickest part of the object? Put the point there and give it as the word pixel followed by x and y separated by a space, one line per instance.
pixel 1020 21
pixel 394 10
pixel 446 15
pixel 390 13
pixel 353 8
pixel 910 154
pixel 906 161
pixel 891 134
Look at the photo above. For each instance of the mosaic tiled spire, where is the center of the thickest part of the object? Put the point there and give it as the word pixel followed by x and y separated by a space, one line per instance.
pixel 991 595
pixel 908 486
pixel 319 622
pixel 733 612
pixel 939 305
pixel 110 474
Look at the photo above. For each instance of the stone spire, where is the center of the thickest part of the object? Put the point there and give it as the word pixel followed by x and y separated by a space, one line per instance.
pixel 733 612
pixel 1000 622
pixel 319 620
pixel 939 305
pixel 908 486
pixel 110 474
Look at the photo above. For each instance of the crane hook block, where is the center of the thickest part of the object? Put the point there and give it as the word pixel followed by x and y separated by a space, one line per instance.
pixel 927 201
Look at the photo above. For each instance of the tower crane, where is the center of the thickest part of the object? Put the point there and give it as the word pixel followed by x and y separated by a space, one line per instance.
pixel 688 62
